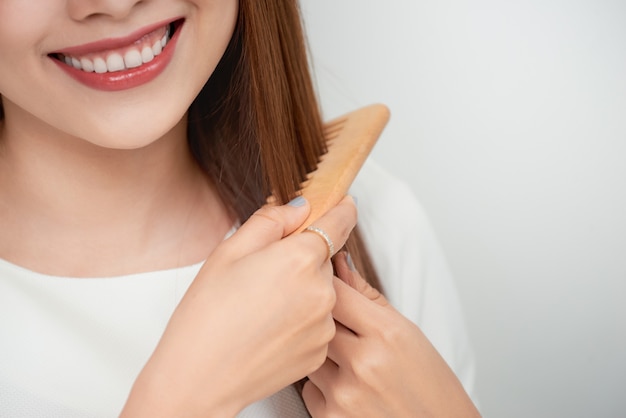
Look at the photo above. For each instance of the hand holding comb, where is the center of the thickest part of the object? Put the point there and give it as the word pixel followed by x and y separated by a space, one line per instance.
pixel 350 139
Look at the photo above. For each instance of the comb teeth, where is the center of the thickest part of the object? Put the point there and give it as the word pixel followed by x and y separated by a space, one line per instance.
pixel 350 139
pixel 334 128
pixel 331 131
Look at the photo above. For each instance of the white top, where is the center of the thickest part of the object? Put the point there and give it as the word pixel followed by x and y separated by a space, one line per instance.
pixel 73 347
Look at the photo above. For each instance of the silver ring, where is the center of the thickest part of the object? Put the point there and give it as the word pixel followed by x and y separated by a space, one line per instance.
pixel 320 232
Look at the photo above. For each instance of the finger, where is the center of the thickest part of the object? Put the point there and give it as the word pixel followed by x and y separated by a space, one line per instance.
pixel 342 346
pixel 336 225
pixel 322 377
pixel 354 310
pixel 347 273
pixel 267 225
pixel 313 399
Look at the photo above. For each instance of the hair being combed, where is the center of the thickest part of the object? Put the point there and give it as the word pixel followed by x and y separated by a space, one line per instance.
pixel 256 127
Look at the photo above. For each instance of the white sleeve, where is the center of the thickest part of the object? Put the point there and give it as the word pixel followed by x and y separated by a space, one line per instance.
pixel 411 265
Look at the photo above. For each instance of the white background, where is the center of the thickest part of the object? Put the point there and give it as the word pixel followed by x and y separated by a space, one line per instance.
pixel 509 122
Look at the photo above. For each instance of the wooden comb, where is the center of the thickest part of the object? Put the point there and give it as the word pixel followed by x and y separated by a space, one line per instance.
pixel 350 139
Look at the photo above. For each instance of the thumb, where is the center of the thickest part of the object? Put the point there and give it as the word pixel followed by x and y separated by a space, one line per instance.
pixel 269 224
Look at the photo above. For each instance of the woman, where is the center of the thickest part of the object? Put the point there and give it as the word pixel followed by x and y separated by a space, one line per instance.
pixel 123 174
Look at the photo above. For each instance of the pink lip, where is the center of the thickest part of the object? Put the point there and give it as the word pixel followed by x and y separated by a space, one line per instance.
pixel 113 43
pixel 126 79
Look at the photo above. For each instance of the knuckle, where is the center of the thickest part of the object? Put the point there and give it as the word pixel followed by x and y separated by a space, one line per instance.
pixel 391 334
pixel 368 367
pixel 299 262
pixel 292 258
pixel 308 256
pixel 345 397
pixel 312 247
pixel 301 255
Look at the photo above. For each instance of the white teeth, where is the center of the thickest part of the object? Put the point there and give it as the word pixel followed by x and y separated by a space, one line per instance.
pixel 146 54
pixel 87 65
pixel 99 66
pixel 157 48
pixel 113 62
pixel 133 59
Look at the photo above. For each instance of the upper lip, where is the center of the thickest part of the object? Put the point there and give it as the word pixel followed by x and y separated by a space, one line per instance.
pixel 113 43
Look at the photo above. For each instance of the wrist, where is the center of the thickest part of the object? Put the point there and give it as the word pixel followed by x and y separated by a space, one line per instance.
pixel 156 395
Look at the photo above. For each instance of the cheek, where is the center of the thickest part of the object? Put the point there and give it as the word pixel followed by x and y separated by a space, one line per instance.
pixel 218 22
pixel 23 26
pixel 26 22
pixel 213 30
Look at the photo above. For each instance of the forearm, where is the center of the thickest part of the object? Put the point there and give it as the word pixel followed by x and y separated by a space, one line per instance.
pixel 156 394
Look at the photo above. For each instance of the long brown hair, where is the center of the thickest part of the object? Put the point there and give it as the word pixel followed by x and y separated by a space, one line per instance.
pixel 256 127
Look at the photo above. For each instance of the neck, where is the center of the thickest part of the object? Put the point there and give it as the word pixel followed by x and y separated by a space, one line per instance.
pixel 71 208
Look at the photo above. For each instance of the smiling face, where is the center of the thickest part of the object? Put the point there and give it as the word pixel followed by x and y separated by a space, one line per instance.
pixel 118 74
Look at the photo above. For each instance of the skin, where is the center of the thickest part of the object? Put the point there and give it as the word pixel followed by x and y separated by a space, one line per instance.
pixel 80 168
pixel 43 95
pixel 270 347
pixel 379 363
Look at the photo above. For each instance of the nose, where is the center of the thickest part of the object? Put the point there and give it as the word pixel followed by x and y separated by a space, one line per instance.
pixel 115 9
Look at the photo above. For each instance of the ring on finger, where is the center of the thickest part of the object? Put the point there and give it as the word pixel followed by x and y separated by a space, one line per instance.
pixel 322 234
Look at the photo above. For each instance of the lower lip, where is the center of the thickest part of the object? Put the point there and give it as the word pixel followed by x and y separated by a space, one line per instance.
pixel 126 79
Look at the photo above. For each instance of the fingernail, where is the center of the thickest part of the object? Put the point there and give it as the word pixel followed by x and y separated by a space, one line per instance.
pixel 350 262
pixel 297 202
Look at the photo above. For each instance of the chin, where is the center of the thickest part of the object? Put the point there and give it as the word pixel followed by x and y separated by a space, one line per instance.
pixel 133 139
pixel 124 134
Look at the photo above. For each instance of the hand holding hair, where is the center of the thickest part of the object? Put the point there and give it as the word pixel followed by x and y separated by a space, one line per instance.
pixel 380 364
pixel 256 318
